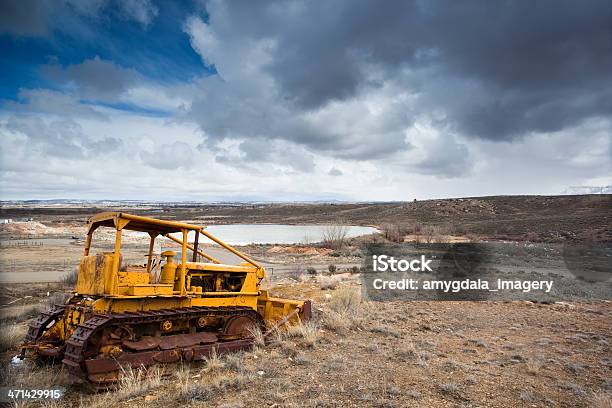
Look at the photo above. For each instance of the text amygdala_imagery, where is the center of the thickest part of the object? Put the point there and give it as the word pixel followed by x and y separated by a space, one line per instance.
pixel 455 286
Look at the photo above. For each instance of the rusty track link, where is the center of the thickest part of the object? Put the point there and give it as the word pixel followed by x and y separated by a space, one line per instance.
pixel 38 326
pixel 76 346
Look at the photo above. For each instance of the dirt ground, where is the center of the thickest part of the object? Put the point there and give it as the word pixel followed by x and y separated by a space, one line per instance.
pixel 356 352
pixel 389 354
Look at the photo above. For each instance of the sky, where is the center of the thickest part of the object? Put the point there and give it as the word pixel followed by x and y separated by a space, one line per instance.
pixel 303 100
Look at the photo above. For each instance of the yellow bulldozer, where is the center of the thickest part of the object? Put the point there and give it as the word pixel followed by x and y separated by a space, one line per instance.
pixel 122 316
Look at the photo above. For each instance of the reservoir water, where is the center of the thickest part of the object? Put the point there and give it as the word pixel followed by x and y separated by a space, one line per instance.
pixel 244 234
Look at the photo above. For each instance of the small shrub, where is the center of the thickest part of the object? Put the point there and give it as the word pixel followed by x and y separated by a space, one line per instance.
pixel 448 388
pixel 311 271
pixel 31 375
pixel 301 359
pixel 340 323
pixel 197 392
pixel 70 279
pixel 393 232
pixel 575 368
pixel 334 236
pixel 533 367
pixel 308 332
pixel 393 390
pixel 407 352
pixel 430 232
pixel 414 394
pixel 211 387
pixel 342 314
pixel 574 388
pixel 297 271
pixel 332 269
pixel 478 343
pixel 328 282
pixel 345 301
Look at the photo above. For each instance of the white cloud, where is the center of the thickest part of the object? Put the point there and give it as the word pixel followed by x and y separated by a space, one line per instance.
pixel 143 11
pixel 292 114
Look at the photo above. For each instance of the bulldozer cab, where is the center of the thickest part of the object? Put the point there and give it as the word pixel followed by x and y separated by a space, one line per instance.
pixel 103 274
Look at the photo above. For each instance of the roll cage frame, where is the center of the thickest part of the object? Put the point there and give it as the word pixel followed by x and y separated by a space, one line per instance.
pixel 154 227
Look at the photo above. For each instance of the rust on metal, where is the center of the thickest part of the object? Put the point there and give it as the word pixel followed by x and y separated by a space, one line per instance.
pixel 238 327
pixel 145 343
pixel 150 350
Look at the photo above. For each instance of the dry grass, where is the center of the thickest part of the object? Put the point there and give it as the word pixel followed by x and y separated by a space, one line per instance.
pixel 308 333
pixel 328 282
pixel 20 313
pixel 70 279
pixel 30 375
pixel 332 282
pixel 448 388
pixel 533 367
pixel 345 300
pixel 213 363
pixel 11 336
pixel 440 367
pixel 135 383
pixel 235 361
pixel 259 339
pixel 57 298
pixel 198 388
pixel 601 400
pixel 342 310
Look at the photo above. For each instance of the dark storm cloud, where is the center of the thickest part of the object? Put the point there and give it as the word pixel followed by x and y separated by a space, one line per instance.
pixel 37 18
pixel 444 157
pixel 497 70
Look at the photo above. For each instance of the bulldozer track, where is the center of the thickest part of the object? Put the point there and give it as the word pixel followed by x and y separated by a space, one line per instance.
pixel 37 326
pixel 77 352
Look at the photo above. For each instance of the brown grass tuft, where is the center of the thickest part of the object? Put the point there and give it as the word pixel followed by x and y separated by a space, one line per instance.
pixel 308 333
pixel 11 336
pixel 213 362
pixel 345 300
pixel 137 382
pixel 343 311
pixel 601 400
